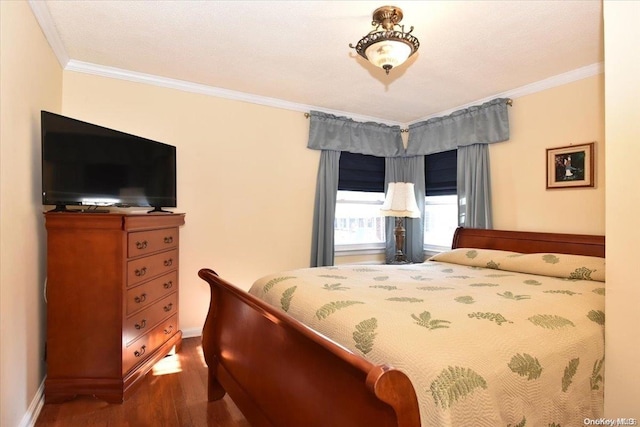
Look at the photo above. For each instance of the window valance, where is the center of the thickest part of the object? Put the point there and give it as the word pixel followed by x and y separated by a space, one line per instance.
pixel 329 132
pixel 481 124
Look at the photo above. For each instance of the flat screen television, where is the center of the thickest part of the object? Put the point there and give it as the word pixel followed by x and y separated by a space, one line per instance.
pixel 90 165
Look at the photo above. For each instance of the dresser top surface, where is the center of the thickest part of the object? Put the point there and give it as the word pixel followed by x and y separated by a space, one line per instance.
pixel 117 221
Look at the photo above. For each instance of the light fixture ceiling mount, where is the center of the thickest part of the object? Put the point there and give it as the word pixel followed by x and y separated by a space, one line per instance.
pixel 388 45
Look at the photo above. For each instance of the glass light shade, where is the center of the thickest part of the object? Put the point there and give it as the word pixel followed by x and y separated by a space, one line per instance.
pixel 400 201
pixel 387 54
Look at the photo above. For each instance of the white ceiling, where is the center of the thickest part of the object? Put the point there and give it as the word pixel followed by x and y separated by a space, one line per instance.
pixel 297 53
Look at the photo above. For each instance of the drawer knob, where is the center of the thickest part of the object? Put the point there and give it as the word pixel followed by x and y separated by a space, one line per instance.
pixel 168 307
pixel 141 271
pixel 140 298
pixel 168 262
pixel 168 239
pixel 142 245
pixel 168 285
pixel 141 325
pixel 168 330
pixel 140 352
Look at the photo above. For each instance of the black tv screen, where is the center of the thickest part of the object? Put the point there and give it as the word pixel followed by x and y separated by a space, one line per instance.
pixel 87 164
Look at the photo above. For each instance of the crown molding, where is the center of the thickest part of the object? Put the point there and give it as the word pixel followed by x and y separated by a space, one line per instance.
pixel 539 86
pixel 41 12
pixel 133 76
pixel 117 73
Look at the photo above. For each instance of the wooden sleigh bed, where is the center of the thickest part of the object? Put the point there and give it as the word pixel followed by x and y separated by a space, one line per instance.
pixel 281 373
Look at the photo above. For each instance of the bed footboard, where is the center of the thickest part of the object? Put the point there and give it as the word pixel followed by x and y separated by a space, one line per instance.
pixel 280 373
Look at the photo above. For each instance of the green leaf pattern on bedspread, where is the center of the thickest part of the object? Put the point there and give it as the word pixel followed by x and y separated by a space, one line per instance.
pixel 335 287
pixel 405 299
pixel 287 295
pixel 424 319
pixel 550 259
pixel 467 329
pixel 434 288
pixel 386 287
pixel 597 316
pixel 494 317
pixel 550 321
pixel 364 334
pixel 569 372
pixel 330 308
pixel 582 273
pixel 596 374
pixel 455 383
pixel 526 365
pixel 561 291
pixel 510 295
pixel 493 265
pixel 333 276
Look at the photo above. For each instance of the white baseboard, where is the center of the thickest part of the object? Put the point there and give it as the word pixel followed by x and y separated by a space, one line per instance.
pixel 29 419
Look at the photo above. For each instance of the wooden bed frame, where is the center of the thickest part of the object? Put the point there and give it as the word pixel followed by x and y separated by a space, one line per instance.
pixel 280 373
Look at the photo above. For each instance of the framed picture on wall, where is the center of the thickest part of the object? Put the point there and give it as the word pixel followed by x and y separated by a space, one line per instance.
pixel 571 166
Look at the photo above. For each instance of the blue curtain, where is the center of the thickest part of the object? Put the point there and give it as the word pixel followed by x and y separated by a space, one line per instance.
pixel 474 186
pixel 324 213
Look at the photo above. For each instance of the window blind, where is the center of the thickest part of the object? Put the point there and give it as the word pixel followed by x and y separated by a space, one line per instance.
pixel 361 172
pixel 441 173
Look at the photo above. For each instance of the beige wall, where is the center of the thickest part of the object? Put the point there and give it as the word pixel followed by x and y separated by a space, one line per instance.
pixel 30 80
pixel 622 339
pixel 557 117
pixel 245 177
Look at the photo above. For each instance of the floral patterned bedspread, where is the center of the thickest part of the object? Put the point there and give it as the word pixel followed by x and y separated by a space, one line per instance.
pixel 483 343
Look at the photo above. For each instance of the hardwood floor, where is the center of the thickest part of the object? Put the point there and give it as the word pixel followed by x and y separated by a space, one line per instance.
pixel 174 393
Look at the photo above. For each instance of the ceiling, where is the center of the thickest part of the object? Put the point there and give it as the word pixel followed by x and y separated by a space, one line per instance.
pixel 296 53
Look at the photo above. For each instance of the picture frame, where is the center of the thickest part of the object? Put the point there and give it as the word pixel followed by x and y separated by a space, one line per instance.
pixel 571 166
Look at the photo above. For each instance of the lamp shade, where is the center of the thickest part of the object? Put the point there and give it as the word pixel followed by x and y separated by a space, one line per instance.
pixel 400 201
pixel 387 54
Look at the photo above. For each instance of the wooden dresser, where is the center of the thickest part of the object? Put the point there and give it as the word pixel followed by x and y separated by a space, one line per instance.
pixel 111 299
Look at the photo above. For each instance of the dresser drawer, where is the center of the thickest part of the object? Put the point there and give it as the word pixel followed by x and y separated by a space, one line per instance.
pixel 146 242
pixel 142 269
pixel 145 294
pixel 140 349
pixel 148 318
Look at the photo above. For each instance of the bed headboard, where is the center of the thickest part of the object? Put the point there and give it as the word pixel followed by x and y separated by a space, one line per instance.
pixel 529 242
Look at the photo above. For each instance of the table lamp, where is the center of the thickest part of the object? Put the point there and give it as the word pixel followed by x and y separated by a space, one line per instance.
pixel 400 202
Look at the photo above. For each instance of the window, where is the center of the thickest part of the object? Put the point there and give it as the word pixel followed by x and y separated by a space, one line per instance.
pixel 441 201
pixel 440 221
pixel 358 223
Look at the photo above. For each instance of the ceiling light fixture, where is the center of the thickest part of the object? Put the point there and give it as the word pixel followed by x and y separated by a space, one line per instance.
pixel 387 45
